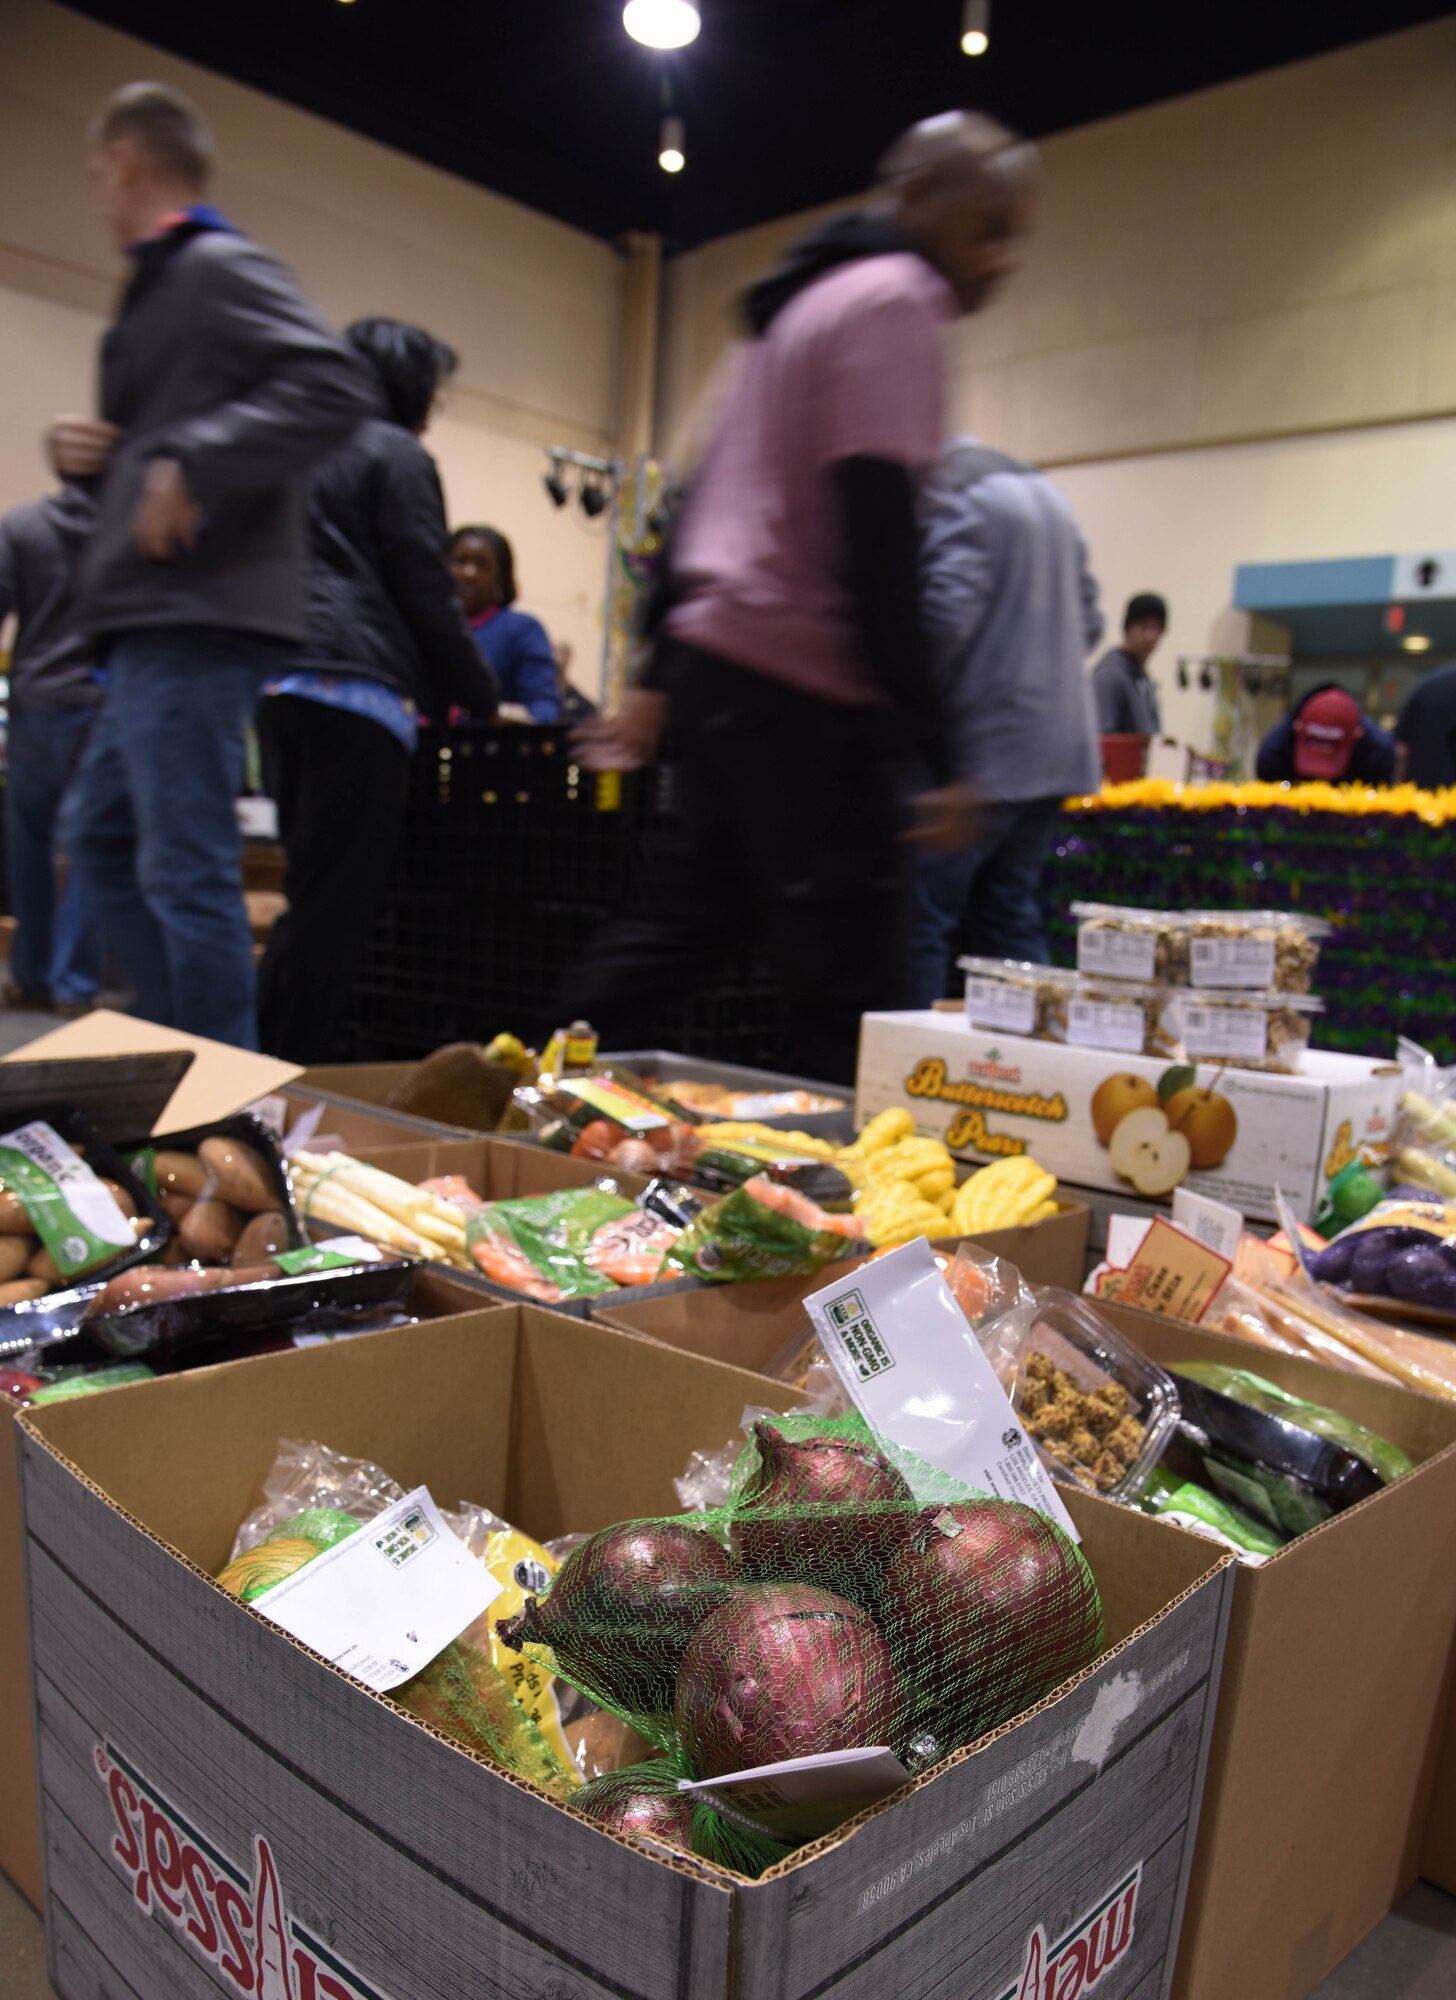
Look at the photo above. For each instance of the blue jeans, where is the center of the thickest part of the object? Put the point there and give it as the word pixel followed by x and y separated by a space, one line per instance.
pixel 153 830
pixel 55 948
pixel 993 887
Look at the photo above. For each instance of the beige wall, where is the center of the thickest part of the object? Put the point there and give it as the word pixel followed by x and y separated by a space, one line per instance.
pixel 533 307
pixel 1271 262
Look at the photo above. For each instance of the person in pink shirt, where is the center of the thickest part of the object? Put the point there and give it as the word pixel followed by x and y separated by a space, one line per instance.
pixel 789 668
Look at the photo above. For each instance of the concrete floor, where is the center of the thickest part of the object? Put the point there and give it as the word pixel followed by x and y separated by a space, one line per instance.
pixel 1411 1956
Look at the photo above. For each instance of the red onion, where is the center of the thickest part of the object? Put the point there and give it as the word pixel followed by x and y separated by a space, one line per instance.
pixel 643 1800
pixel 622 1607
pixel 988 1608
pixel 784 1670
pixel 825 1509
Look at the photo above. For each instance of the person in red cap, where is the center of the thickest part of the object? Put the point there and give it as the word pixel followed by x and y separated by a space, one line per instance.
pixel 1328 736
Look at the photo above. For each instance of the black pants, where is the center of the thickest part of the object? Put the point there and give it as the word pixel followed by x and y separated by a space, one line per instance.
pixel 339 782
pixel 789 841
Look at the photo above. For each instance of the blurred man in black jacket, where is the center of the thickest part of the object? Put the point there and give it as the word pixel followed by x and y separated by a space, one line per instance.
pixel 220 388
pixel 386 638
pixel 53 699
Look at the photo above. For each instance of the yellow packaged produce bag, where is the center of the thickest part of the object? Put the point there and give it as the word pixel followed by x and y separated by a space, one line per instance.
pixel 523 1569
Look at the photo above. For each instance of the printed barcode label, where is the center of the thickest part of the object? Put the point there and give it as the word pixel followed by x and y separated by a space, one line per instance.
pixel 1232 961
pixel 1226 1031
pixel 1103 1024
pixel 992 1003
pixel 1120 954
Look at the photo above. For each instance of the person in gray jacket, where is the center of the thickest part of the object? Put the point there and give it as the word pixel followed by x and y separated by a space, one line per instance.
pixel 53 699
pixel 1011 609
pixel 220 389
pixel 1123 691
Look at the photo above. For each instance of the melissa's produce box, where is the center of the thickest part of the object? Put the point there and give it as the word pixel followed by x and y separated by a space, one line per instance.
pixel 1334 1687
pixel 434 1295
pixel 750 1326
pixel 128 1078
pixel 223 1811
pixel 1135 1124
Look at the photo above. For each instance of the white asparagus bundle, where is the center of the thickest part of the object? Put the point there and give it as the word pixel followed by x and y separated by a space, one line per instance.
pixel 347 1195
pixel 415 1207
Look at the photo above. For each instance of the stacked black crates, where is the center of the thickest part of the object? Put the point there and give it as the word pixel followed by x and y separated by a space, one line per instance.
pixel 513 858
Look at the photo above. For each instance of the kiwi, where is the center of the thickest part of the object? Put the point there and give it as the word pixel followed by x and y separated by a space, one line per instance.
pixel 456 1086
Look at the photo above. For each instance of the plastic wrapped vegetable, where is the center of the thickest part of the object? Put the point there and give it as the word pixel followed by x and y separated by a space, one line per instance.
pixel 762 1230
pixel 572 1244
pixel 1188 1505
pixel 1385 1459
pixel 1272 1466
pixel 472 1691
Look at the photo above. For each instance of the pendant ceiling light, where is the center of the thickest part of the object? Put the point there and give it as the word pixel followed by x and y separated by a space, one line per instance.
pixel 662 24
pixel 976 27
pixel 671 156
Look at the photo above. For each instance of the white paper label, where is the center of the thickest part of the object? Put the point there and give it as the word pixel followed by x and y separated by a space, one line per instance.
pixel 1106 1024
pixel 1232 961
pixel 1226 1031
pixel 1119 954
pixel 804 1797
pixel 1211 1222
pixel 908 1357
pixel 992 1003
pixel 384 1602
pixel 1125 1235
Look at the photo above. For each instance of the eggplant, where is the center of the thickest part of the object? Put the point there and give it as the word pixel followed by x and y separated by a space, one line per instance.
pixel 1423 1276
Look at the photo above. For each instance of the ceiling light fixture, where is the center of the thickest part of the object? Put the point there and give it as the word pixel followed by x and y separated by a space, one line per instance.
pixel 555 485
pixel 593 499
pixel 670 154
pixel 1416 642
pixel 976 28
pixel 662 24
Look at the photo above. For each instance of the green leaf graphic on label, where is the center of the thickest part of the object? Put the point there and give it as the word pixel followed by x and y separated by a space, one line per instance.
pixel 1182 1076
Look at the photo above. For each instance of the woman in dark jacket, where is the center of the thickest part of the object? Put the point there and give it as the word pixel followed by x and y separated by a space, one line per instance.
pixel 386 639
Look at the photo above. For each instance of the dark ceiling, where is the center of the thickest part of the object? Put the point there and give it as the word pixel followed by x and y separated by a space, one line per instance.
pixel 787 102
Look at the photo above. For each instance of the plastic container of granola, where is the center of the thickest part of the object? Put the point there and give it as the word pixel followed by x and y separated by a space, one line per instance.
pixel 1254 950
pixel 1115 941
pixel 1007 996
pixel 1050 1003
pixel 1102 1414
pixel 1268 1031
pixel 1128 1016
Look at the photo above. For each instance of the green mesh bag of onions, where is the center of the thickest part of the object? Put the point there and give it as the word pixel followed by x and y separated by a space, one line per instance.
pixel 848 1595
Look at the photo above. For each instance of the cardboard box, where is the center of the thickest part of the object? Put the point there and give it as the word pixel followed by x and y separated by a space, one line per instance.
pixel 129 1077
pixel 434 1295
pixel 216 1081
pixel 356 1126
pixel 988 1095
pixel 405 1867
pixel 1438 1849
pixel 750 1326
pixel 373 1083
pixel 1329 1717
